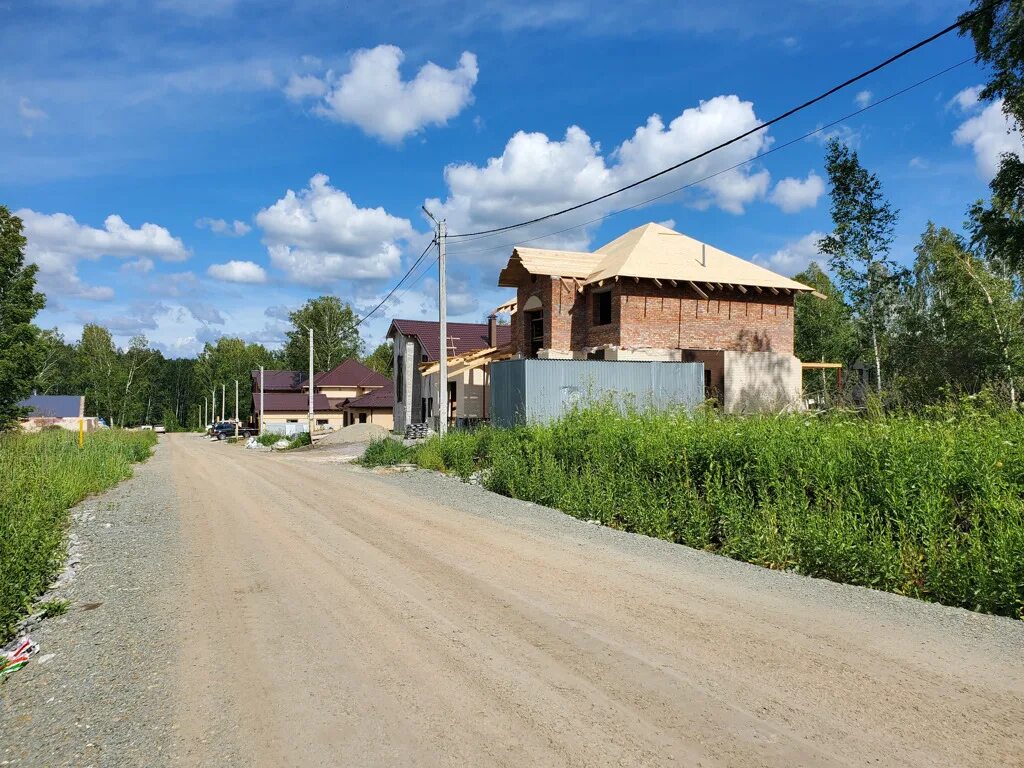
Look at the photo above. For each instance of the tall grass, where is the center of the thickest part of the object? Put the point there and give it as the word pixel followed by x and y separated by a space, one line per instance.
pixel 41 477
pixel 927 506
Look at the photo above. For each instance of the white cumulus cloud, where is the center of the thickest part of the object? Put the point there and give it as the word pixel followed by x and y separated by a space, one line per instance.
pixel 535 174
pixel 319 235
pixel 56 242
pixel 795 256
pixel 863 98
pixel 234 228
pixel 238 272
pixel 373 96
pixel 989 131
pixel 792 195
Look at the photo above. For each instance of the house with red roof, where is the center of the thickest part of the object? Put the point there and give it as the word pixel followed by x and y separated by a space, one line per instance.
pixel 417 345
pixel 349 393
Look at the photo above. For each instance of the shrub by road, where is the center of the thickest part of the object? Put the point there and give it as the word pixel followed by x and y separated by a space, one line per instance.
pixel 926 506
pixel 41 477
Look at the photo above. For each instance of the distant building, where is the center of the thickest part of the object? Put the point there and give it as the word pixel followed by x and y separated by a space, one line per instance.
pixel 286 397
pixel 64 411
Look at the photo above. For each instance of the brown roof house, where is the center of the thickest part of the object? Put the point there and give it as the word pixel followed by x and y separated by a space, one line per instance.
pixel 417 346
pixel 286 397
pixel 656 294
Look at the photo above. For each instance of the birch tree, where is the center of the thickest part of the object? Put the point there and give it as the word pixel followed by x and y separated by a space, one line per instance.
pixel 858 248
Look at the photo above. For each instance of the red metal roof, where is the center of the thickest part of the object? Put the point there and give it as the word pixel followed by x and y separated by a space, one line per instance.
pixel 378 398
pixel 279 381
pixel 293 402
pixel 462 337
pixel 351 373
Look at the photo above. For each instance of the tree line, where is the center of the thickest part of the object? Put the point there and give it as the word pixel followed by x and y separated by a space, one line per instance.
pixel 136 383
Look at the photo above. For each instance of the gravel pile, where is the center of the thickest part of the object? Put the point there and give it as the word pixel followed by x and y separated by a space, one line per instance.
pixel 100 692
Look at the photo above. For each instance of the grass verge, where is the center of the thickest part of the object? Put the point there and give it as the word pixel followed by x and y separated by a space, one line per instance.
pixel 41 477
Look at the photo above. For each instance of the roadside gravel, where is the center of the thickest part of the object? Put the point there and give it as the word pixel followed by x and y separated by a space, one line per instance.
pixel 105 695
pixel 973 632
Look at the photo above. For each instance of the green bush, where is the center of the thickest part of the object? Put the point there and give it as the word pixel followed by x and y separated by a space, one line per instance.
pixel 385 453
pixel 41 477
pixel 927 506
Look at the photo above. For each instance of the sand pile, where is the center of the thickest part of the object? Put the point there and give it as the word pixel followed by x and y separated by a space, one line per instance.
pixel 354 433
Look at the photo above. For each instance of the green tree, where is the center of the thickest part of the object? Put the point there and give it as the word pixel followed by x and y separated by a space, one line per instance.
pixel 335 336
pixel 381 359
pixel 824 330
pixel 221 364
pixel 19 304
pixel 958 325
pixel 97 360
pixel 57 373
pixel 997 31
pixel 858 248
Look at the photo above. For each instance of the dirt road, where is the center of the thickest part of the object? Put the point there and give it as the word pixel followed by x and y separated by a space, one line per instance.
pixel 336 617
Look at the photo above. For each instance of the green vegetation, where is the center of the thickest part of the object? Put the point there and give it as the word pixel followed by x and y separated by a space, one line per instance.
pixel 41 477
pixel 19 303
pixel 386 453
pixel 52 608
pixel 929 506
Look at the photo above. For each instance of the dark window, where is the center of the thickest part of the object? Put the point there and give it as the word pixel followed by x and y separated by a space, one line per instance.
pixel 597 354
pixel 400 379
pixel 362 418
pixel 535 332
pixel 603 308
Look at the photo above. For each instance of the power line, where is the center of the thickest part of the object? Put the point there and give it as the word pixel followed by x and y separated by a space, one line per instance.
pixel 961 21
pixel 697 182
pixel 396 287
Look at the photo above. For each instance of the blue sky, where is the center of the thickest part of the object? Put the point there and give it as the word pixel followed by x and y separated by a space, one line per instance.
pixel 194 168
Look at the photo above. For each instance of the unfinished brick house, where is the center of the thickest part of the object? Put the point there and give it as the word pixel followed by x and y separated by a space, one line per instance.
pixel 656 294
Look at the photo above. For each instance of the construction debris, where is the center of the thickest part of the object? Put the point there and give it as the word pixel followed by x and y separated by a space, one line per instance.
pixel 16 655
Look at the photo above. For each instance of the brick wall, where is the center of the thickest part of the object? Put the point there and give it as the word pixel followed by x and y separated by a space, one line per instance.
pixel 647 317
pixel 678 318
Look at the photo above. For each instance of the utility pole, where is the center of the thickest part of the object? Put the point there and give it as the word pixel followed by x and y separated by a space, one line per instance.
pixel 236 409
pixel 261 401
pixel 442 316
pixel 223 398
pixel 206 411
pixel 312 416
pixel 442 308
pixel 213 410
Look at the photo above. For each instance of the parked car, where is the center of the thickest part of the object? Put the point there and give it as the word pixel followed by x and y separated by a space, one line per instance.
pixel 146 428
pixel 225 429
pixel 159 429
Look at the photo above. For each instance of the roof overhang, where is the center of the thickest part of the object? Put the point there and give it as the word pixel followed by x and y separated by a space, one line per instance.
pixel 461 363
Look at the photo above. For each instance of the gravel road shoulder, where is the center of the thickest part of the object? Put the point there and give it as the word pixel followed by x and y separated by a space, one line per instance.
pixel 979 636
pixel 105 695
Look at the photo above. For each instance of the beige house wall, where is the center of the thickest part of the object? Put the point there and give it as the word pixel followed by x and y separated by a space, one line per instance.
pixel 382 417
pixel 335 419
pixel 71 423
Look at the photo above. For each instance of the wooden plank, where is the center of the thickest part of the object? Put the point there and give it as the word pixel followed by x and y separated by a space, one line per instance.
pixel 698 290
pixel 819 295
pixel 657 282
pixel 742 288
pixel 815 366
